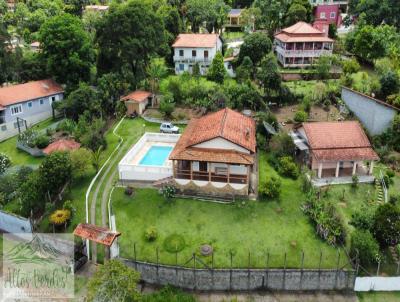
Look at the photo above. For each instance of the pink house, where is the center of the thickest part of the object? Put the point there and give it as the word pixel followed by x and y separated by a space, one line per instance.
pixel 326 14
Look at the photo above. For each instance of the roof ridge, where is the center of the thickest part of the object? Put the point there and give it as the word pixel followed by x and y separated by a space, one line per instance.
pixel 223 122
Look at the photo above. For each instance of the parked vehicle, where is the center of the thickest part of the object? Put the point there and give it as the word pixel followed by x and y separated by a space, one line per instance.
pixel 168 128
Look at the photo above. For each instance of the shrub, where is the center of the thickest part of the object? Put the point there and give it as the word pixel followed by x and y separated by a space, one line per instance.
pixel 42 141
pixel 151 233
pixel 363 218
pixel 282 145
pixel 272 188
pixel 70 207
pixel 300 116
pixel 354 181
pixel 80 162
pixel 365 245
pixel 328 222
pixel 168 191
pixel 306 184
pixel 5 163
pixel 169 293
pixel 28 137
pixel 174 243
pixel 287 167
pixel 128 191
pixel 386 226
pixel 394 199
pixel 167 106
pixel 60 217
pixel 68 125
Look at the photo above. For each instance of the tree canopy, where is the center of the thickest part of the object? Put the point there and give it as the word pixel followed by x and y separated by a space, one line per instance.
pixel 255 46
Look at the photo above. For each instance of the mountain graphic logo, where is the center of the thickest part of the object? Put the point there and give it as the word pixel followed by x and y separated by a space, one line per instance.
pixel 35 251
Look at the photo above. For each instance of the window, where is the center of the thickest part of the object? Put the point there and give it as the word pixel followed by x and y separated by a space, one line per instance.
pixel 29 104
pixel 322 15
pixel 16 109
pixel 203 166
pixel 181 53
pixel 333 15
pixel 194 53
pixel 181 67
pixel 41 101
pixel 53 99
pixel 206 54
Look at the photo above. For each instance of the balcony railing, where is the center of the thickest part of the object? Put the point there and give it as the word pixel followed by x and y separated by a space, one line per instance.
pixel 213 177
pixel 192 59
pixel 303 53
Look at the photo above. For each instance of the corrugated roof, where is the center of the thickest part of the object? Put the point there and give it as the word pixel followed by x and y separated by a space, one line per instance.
pixel 234 12
pixel 96 233
pixel 29 91
pixel 196 40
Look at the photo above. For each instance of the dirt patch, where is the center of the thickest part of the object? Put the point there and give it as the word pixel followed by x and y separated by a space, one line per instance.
pixel 285 115
pixel 178 114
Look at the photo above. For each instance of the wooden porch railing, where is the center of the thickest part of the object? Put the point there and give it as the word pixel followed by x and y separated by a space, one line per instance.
pixel 210 176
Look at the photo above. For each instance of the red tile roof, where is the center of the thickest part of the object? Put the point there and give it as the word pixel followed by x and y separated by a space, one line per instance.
pixel 301 32
pixel 62 145
pixel 96 233
pixel 196 40
pixel 338 141
pixel 29 91
pixel 226 124
pixel 137 96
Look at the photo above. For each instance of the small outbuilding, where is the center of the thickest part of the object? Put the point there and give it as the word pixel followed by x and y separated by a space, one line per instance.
pixel 62 145
pixel 136 102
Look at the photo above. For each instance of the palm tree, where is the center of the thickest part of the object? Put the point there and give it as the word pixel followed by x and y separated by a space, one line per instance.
pixel 156 71
pixel 96 158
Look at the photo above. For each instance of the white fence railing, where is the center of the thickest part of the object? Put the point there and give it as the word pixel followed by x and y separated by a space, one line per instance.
pixel 384 187
pixel 303 53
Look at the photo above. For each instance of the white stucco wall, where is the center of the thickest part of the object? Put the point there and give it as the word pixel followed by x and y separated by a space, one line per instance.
pixel 221 143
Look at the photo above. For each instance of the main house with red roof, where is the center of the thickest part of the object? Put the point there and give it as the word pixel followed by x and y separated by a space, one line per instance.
pixel 26 104
pixel 336 149
pixel 301 45
pixel 216 154
pixel 190 49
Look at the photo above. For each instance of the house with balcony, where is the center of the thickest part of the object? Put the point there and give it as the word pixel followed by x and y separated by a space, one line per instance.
pixel 216 155
pixel 234 18
pixel 190 49
pixel 300 45
pixel 335 151
pixel 26 104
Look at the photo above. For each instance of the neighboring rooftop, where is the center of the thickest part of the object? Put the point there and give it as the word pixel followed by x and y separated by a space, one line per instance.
pixel 196 40
pixel 137 96
pixel 96 233
pixel 339 141
pixel 14 94
pixel 227 124
pixel 234 12
pixel 302 32
pixel 99 8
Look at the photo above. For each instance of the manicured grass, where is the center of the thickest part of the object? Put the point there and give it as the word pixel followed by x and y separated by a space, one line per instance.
pixel 18 157
pixel 379 297
pixel 246 226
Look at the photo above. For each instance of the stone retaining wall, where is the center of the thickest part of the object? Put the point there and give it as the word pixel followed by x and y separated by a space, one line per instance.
pixel 245 279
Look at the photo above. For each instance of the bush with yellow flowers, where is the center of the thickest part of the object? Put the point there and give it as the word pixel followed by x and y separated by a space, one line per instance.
pixel 60 217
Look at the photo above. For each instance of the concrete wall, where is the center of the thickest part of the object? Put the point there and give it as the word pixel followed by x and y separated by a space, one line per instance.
pixel 375 115
pixel 364 284
pixel 244 279
pixel 10 223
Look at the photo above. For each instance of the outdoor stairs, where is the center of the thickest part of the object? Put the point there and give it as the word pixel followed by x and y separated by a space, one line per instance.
pixel 210 198
pixel 379 192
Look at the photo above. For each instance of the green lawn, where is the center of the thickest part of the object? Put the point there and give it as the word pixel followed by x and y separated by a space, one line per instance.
pixel 379 297
pixel 249 226
pixel 306 87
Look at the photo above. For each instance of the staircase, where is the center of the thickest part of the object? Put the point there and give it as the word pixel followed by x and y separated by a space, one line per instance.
pixel 380 199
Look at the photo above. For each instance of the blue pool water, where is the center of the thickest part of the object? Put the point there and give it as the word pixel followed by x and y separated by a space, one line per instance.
pixel 156 156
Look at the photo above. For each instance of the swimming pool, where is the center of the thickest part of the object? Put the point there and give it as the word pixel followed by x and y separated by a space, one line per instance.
pixel 156 156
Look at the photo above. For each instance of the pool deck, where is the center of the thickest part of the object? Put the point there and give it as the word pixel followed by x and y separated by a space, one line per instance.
pixel 143 151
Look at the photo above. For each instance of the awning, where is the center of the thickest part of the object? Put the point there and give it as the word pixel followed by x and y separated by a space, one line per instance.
pixel 96 233
pixel 300 143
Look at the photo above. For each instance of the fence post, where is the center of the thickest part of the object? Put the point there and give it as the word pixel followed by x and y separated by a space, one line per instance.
pixel 379 268
pixel 301 271
pixel 230 272
pixel 248 273
pixel 337 268
pixel 319 270
pixel 157 263
pixel 194 271
pixel 134 254
pixel 267 271
pixel 176 268
pixel 284 273
pixel 212 270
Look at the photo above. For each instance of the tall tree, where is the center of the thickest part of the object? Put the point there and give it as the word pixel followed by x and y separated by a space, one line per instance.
pixel 272 13
pixel 268 74
pixel 67 49
pixel 217 71
pixel 255 46
pixel 129 35
pixel 156 71
pixel 212 12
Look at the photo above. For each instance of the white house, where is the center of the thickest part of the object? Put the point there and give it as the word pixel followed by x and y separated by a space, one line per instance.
pixel 26 104
pixel 190 49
